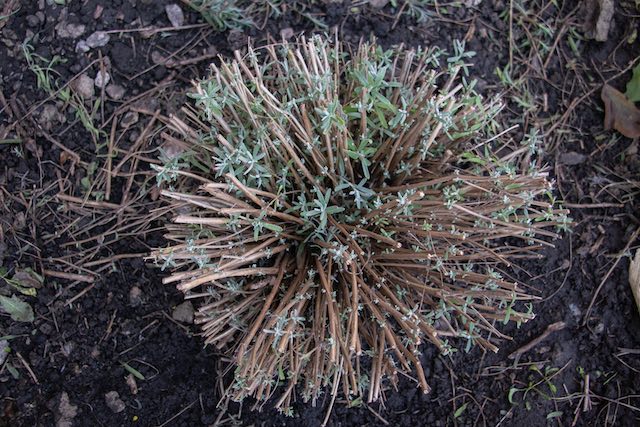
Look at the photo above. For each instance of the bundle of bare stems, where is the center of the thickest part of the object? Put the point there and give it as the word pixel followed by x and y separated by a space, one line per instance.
pixel 334 210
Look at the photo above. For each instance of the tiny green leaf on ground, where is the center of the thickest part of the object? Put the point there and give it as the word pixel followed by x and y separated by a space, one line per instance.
pixel 460 410
pixel 633 85
pixel 25 281
pixel 132 371
pixel 512 391
pixel 19 310
pixel 13 371
pixel 28 279
pixel 555 414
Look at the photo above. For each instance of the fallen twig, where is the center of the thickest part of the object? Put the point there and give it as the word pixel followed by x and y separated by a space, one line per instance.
pixel 28 368
pixel 69 276
pixel 80 294
pixel 534 342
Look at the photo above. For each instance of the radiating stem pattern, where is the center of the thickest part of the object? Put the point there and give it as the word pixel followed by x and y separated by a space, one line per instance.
pixel 332 207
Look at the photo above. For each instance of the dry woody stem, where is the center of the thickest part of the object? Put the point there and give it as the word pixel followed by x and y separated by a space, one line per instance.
pixel 335 210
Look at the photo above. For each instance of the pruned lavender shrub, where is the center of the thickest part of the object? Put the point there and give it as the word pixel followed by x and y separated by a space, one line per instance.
pixel 333 207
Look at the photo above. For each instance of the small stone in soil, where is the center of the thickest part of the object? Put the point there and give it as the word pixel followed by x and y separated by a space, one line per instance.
pixel 114 402
pixel 599 329
pixel 116 92
pixel 102 78
pixel 378 4
pixel 84 86
pixel 157 58
pixel 133 137
pixel 135 296
pixel 544 349
pixel 98 39
pixel 4 350
pixel 95 352
pixel 129 119
pixel 49 116
pixel 65 411
pixel 175 15
pixel 572 158
pixel 286 33
pixel 98 12
pixel 67 348
pixel 69 31
pixel 183 313
pixel 131 382
pixel 81 46
pixel 19 221
pixel 575 310
pixel 148 32
pixel 33 21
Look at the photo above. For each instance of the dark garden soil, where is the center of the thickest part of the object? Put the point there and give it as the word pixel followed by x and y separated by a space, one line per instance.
pixel 85 336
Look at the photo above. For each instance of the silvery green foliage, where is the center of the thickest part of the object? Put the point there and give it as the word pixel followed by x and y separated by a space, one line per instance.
pixel 333 207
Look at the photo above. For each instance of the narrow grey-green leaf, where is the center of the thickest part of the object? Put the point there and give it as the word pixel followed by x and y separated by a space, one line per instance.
pixel 132 371
pixel 19 310
pixel 460 410
pixel 13 371
pixel 555 414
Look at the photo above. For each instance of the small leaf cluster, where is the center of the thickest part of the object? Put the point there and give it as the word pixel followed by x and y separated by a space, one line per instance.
pixel 240 14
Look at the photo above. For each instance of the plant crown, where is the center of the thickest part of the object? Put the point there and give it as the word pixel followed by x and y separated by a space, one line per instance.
pixel 333 207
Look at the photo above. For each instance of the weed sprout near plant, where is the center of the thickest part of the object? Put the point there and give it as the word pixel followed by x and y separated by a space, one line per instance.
pixel 334 207
pixel 222 14
pixel 240 14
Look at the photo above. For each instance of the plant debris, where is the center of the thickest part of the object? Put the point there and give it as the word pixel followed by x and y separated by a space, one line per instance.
pixel 65 411
pixel 599 16
pixel 620 113
pixel 19 310
pixel 634 278
pixel 114 402
pixel 572 158
pixel 183 313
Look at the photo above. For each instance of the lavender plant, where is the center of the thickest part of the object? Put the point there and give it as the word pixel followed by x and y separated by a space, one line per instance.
pixel 333 207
